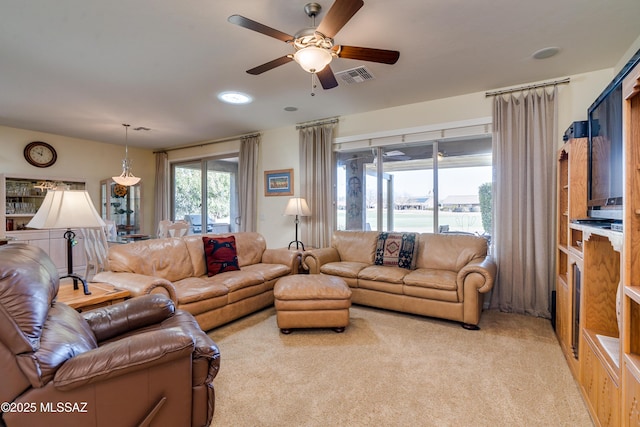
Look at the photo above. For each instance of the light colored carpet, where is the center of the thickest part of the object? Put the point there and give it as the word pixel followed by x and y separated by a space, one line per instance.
pixel 394 369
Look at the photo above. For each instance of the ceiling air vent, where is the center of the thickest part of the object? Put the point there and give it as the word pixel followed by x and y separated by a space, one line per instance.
pixel 355 75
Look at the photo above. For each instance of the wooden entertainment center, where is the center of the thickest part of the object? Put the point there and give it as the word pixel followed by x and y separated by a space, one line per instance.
pixel 598 279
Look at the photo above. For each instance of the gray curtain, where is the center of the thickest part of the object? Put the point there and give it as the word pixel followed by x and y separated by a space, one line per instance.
pixel 247 183
pixel 316 183
pixel 524 151
pixel 162 195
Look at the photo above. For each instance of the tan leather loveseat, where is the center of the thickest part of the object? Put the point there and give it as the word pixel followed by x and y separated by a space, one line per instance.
pixel 140 362
pixel 177 267
pixel 452 273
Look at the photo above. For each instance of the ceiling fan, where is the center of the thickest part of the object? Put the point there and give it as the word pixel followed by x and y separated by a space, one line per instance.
pixel 314 47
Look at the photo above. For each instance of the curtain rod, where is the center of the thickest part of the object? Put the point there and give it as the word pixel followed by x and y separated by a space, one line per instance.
pixel 317 123
pixel 521 88
pixel 202 144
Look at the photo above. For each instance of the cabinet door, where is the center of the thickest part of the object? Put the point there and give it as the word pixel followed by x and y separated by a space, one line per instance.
pixel 122 205
pixel 589 372
pixel 631 410
pixel 600 389
pixel 32 237
pixel 608 401
pixel 563 315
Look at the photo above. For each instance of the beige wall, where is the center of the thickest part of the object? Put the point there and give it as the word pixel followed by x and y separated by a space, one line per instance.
pixel 279 150
pixel 81 159
pixel 198 152
pixel 93 161
pixel 635 47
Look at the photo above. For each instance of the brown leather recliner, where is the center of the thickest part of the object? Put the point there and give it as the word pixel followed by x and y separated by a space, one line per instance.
pixel 137 363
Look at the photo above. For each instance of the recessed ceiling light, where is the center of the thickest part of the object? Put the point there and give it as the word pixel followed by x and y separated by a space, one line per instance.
pixel 290 108
pixel 231 97
pixel 545 53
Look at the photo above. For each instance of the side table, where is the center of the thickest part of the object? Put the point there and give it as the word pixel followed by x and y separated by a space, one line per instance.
pixel 102 294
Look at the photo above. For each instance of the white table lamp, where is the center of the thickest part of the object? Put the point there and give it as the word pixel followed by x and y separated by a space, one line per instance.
pixel 297 206
pixel 68 209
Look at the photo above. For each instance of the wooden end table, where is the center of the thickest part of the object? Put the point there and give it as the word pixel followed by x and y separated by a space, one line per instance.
pixel 102 294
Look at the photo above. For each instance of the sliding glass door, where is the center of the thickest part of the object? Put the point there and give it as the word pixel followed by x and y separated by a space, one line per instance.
pixel 213 180
pixel 187 194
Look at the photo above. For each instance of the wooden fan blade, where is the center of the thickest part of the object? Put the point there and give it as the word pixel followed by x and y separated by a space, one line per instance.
pixel 368 54
pixel 327 78
pixel 340 13
pixel 270 65
pixel 261 28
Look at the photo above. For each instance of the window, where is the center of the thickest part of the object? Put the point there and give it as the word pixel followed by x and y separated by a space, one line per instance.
pixel 431 186
pixel 463 167
pixel 213 180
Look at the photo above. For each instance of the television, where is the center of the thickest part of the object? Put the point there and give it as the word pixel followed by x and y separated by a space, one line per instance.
pixel 605 188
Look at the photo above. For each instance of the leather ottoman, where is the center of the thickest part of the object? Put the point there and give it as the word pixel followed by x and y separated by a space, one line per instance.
pixel 312 301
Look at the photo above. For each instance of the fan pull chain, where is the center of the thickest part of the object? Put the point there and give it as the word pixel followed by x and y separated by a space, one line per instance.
pixel 313 84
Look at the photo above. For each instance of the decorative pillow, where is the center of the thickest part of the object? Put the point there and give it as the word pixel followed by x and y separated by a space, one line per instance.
pixel 396 249
pixel 221 255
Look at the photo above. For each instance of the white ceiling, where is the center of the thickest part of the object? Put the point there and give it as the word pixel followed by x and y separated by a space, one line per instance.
pixel 81 68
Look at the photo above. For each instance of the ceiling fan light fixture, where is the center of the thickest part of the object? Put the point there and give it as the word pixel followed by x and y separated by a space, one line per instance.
pixel 314 46
pixel 313 59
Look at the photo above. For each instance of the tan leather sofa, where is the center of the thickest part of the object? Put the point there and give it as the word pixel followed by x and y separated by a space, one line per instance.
pixel 140 362
pixel 177 268
pixel 452 273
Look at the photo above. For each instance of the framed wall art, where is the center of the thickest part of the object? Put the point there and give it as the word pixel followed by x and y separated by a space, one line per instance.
pixel 278 182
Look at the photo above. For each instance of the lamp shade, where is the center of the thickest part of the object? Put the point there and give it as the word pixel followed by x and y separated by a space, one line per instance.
pixel 126 178
pixel 312 59
pixel 127 181
pixel 66 209
pixel 297 206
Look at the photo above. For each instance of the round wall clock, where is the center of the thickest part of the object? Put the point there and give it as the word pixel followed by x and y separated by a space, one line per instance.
pixel 40 154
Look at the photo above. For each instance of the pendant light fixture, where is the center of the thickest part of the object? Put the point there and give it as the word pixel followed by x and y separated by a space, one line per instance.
pixel 126 178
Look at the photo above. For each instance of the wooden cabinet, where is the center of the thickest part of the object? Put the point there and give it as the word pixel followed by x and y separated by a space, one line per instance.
pixel 631 275
pixel 572 199
pixel 588 266
pixel 589 331
pixel 55 245
pixel 20 198
pixel 607 264
pixel 122 205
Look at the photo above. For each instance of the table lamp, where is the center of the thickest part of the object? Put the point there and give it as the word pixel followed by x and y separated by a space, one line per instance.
pixel 297 206
pixel 68 209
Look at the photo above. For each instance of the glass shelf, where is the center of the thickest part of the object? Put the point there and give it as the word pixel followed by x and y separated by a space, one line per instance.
pixel 122 205
pixel 23 196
